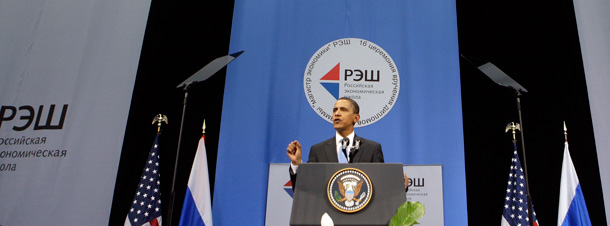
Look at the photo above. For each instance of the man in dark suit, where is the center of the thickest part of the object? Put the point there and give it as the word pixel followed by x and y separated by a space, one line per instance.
pixel 368 151
pixel 344 147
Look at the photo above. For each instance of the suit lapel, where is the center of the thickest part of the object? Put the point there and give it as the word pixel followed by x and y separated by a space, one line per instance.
pixel 358 154
pixel 331 152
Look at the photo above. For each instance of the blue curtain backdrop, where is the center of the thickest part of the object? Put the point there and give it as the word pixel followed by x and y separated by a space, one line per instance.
pixel 265 106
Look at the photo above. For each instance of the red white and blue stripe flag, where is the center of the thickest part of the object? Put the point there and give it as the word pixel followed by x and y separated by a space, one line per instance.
pixel 146 206
pixel 572 206
pixel 515 203
pixel 197 207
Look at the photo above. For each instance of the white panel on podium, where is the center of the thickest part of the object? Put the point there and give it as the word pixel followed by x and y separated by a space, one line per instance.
pixel 426 187
pixel 279 195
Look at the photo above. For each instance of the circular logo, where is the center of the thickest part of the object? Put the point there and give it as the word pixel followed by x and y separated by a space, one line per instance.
pixel 354 68
pixel 349 190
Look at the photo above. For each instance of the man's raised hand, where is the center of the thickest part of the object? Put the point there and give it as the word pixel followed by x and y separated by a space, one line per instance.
pixel 294 152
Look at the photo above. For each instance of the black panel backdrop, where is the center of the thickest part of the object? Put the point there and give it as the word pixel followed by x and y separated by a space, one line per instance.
pixel 535 43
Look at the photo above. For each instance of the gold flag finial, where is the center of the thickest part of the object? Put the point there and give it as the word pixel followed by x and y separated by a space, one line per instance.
pixel 159 119
pixel 203 127
pixel 514 127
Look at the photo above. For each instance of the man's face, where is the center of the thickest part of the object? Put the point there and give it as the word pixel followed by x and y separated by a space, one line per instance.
pixel 344 116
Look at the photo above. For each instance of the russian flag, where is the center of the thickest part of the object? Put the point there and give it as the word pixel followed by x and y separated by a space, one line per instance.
pixel 572 206
pixel 197 207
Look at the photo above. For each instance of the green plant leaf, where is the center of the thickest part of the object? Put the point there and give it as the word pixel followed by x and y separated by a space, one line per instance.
pixel 408 213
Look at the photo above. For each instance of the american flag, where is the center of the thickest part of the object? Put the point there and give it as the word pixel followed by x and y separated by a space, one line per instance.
pixel 146 206
pixel 515 203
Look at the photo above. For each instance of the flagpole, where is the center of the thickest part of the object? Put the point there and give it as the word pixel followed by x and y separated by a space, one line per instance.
pixel 565 131
pixel 527 183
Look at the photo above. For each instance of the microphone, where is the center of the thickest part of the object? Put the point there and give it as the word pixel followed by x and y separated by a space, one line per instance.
pixel 356 145
pixel 353 150
pixel 344 144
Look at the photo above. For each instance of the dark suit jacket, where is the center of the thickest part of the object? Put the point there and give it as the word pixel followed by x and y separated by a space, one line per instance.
pixel 326 151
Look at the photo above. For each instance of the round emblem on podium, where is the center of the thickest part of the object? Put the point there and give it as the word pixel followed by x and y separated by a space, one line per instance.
pixel 349 190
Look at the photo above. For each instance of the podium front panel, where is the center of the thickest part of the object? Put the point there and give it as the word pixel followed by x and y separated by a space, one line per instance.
pixel 311 198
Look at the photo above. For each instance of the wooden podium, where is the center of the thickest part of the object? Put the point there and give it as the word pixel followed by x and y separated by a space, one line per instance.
pixel 311 199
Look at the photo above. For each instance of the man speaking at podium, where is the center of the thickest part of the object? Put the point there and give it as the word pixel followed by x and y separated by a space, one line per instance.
pixel 344 147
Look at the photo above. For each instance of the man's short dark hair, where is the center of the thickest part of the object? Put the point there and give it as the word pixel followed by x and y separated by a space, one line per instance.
pixel 354 104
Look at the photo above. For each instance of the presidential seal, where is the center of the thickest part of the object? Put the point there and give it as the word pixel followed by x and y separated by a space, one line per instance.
pixel 354 68
pixel 349 190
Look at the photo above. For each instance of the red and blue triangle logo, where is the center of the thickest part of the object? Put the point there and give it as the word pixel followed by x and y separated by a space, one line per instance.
pixel 332 76
pixel 288 188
